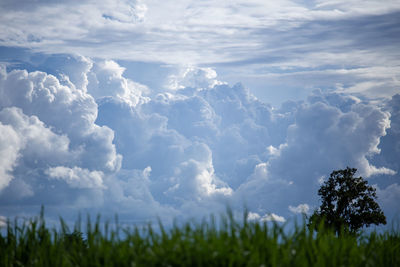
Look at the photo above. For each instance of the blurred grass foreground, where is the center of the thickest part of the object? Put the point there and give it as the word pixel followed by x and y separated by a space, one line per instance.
pixel 222 242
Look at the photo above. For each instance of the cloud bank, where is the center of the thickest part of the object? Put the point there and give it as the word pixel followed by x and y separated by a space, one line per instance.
pixel 89 139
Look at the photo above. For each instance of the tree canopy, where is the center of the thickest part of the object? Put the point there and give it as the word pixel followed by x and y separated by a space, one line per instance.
pixel 348 203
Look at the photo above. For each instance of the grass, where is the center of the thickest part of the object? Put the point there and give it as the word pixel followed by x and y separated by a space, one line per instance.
pixel 209 243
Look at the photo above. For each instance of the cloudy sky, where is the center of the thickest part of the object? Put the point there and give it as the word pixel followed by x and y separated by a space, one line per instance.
pixel 178 108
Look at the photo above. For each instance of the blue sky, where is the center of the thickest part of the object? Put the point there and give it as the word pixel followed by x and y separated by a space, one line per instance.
pixel 179 108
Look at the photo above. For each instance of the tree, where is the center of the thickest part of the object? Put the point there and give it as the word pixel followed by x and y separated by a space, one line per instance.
pixel 348 203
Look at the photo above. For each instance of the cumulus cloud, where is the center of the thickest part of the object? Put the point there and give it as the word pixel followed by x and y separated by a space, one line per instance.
pixel 29 138
pixel 183 168
pixel 344 131
pixel 69 112
pixel 113 145
pixel 52 142
pixel 9 148
pixel 253 216
pixel 37 140
pixel 194 77
pixel 106 79
pixel 389 196
pixel 76 177
pixel 272 218
pixel 3 221
pixel 301 208
pixel 269 217
pixel 389 145
pixel 71 70
pixel 330 131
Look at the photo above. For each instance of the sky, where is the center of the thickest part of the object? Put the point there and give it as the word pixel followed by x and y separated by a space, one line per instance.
pixel 178 109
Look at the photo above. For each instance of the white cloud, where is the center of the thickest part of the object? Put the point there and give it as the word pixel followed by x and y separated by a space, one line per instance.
pixel 179 32
pixel 330 131
pixel 106 79
pixel 272 217
pixel 38 142
pixel 301 208
pixel 70 114
pixel 199 78
pixel 269 217
pixel 142 152
pixel 389 145
pixel 50 132
pixel 388 198
pixel 77 177
pixel 342 132
pixel 253 216
pixel 250 157
pixel 3 221
pixel 29 140
pixel 204 180
pixel 72 70
pixel 260 171
pixel 307 44
pixel 357 7
pixel 9 148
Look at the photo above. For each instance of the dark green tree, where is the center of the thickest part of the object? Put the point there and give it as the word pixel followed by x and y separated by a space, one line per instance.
pixel 348 203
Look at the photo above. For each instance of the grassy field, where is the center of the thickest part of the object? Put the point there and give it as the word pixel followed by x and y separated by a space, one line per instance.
pixel 210 243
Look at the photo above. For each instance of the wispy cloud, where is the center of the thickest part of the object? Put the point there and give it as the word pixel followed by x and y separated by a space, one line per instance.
pixel 194 32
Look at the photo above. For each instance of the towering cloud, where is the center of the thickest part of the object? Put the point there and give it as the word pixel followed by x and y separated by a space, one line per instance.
pixel 53 145
pixel 9 147
pixel 90 138
pixel 330 131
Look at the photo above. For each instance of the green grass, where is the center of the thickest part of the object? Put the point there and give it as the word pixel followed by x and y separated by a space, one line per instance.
pixel 209 243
